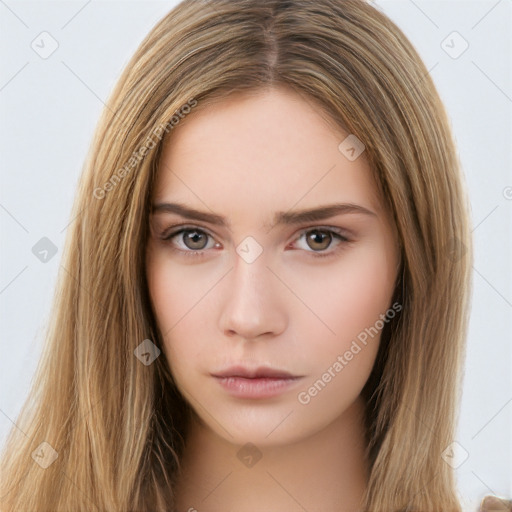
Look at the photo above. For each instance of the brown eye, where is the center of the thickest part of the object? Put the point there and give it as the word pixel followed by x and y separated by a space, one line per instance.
pixel 191 240
pixel 318 240
pixel 194 239
pixel 322 242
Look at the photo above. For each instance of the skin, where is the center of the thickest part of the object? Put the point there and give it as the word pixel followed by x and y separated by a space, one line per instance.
pixel 245 158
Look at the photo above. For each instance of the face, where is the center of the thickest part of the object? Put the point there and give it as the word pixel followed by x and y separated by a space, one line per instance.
pixel 265 310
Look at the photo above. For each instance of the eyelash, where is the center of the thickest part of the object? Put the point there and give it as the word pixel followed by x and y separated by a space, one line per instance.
pixel 167 238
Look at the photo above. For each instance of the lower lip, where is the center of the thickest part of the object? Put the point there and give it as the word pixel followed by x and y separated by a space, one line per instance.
pixel 264 387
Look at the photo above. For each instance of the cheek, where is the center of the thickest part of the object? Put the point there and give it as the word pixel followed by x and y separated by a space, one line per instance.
pixel 177 295
pixel 351 303
pixel 349 297
pixel 173 289
pixel 365 292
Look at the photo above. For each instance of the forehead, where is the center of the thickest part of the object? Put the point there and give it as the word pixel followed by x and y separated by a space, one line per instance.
pixel 261 150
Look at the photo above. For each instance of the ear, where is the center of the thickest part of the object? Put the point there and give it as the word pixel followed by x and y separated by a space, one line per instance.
pixel 494 504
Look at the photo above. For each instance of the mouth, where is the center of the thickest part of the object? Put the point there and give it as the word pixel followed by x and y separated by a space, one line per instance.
pixel 262 382
pixel 261 372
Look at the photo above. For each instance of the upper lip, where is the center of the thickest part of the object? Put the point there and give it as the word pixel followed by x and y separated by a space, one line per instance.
pixel 254 373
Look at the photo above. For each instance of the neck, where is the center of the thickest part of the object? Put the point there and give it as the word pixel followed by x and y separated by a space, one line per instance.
pixel 326 471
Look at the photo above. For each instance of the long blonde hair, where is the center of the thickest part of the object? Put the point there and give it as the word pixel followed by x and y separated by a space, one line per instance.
pixel 118 426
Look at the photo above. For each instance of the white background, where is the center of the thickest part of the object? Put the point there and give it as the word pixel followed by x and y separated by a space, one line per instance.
pixel 50 107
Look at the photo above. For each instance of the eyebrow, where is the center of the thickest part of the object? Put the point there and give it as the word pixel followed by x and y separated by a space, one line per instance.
pixel 280 218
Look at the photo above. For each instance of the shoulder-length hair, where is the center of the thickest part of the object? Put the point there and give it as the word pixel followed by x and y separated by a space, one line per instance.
pixel 118 426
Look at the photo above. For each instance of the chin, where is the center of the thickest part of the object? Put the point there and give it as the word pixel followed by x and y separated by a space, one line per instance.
pixel 264 428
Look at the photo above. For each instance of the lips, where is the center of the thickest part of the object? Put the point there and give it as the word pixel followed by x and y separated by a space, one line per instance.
pixel 258 383
pixel 261 372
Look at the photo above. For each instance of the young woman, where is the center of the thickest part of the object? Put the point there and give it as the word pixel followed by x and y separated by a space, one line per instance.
pixel 266 287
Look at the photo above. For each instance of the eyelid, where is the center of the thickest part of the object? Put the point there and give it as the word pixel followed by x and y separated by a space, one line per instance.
pixel 178 228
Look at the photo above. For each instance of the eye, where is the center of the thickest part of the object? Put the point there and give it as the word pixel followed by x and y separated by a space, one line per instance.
pixel 319 239
pixel 193 241
pixel 190 240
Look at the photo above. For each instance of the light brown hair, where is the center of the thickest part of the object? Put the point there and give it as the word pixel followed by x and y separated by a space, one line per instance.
pixel 118 425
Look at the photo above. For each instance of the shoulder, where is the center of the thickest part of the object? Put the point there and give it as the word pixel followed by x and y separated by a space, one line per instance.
pixel 495 504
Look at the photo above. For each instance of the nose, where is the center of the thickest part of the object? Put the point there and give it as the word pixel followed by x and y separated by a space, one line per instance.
pixel 252 302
